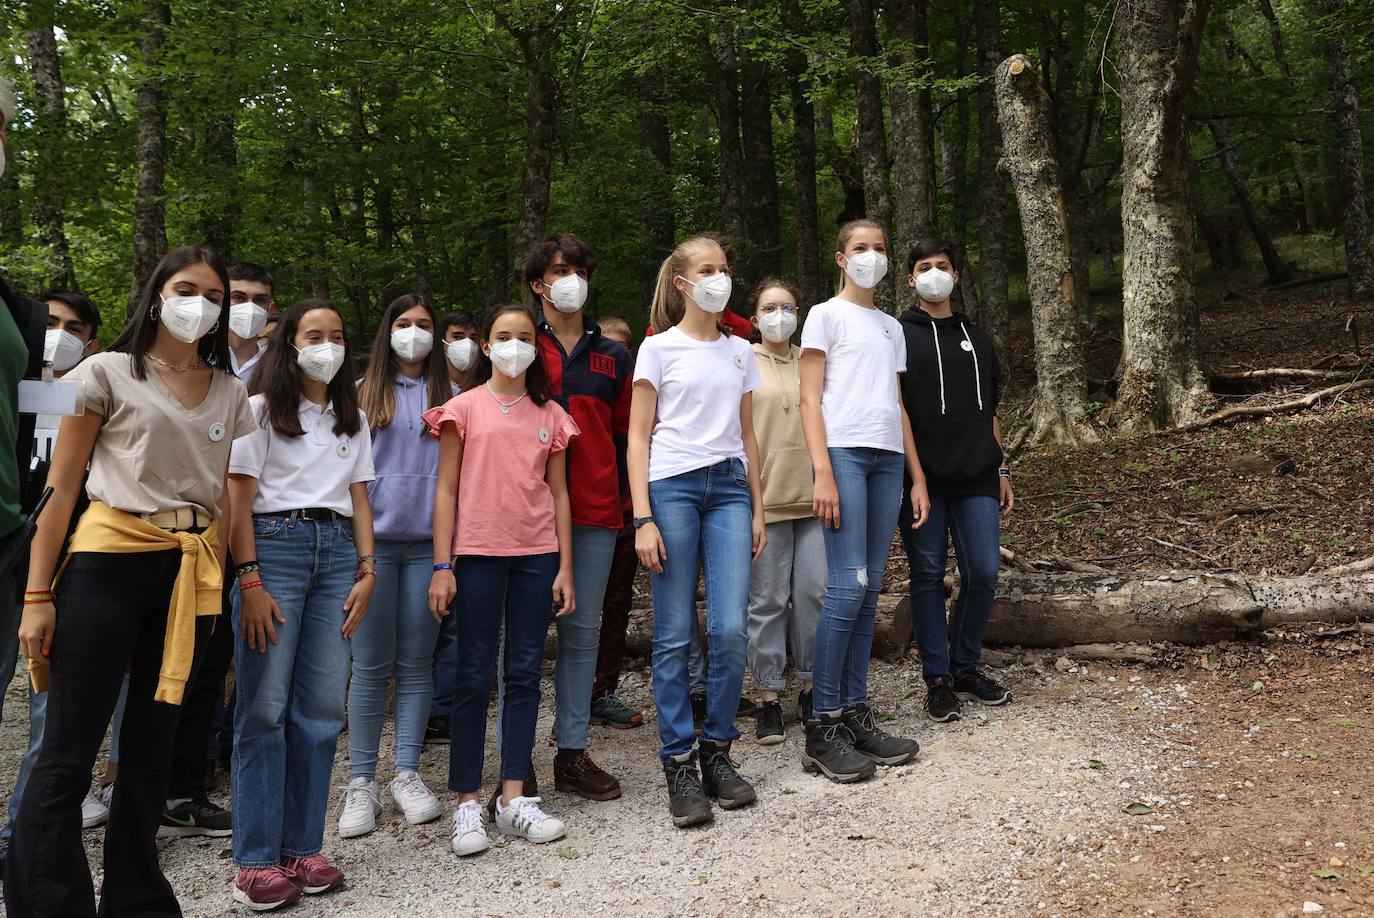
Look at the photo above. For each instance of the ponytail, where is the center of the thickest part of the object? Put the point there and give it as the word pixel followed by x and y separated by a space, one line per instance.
pixel 668 305
pixel 846 232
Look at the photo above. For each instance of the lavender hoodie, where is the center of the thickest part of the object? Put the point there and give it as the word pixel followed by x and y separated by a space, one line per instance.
pixel 407 464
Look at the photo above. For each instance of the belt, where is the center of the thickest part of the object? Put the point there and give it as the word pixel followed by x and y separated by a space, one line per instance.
pixel 179 520
pixel 313 515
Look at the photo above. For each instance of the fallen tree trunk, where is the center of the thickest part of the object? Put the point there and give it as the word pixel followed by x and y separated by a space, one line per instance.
pixel 1185 607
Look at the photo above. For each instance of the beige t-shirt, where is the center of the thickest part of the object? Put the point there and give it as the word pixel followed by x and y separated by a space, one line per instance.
pixel 152 453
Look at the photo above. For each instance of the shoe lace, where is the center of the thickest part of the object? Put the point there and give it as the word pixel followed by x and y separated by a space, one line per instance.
pixel 250 874
pixel 720 765
pixel 526 814
pixel 468 818
pixel 868 720
pixel 301 866
pixel 684 780
pixel 837 733
pixel 357 797
pixel 409 785
pixel 942 693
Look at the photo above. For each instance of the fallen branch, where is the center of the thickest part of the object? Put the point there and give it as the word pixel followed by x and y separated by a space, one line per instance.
pixel 1307 401
pixel 1307 281
pixel 1078 567
pixel 1354 567
pixel 1280 373
pixel 1112 653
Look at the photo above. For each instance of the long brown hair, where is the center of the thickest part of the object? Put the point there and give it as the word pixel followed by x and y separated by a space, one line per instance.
pixel 668 304
pixel 846 232
pixel 141 331
pixel 536 380
pixel 278 378
pixel 377 392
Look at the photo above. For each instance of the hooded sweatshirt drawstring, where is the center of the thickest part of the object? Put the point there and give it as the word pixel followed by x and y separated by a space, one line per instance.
pixel 777 371
pixel 977 378
pixel 940 362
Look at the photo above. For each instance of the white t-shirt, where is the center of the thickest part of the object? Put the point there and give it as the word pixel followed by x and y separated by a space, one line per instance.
pixel 700 385
pixel 864 351
pixel 244 371
pixel 312 470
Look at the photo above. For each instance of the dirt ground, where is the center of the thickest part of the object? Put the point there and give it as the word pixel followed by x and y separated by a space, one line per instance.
pixel 1252 760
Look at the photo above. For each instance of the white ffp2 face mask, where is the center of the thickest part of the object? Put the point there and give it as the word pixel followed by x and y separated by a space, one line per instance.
pixel 934 285
pixel 412 343
pixel 188 318
pixel 247 320
pixel 321 362
pixel 461 353
pixel 567 294
pixel 512 357
pixel 867 269
pixel 62 349
pixel 711 293
pixel 777 326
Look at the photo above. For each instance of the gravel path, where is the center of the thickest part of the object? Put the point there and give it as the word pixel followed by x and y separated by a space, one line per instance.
pixel 989 818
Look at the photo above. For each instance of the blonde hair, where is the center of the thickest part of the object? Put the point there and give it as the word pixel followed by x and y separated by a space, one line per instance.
pixel 846 232
pixel 613 325
pixel 668 304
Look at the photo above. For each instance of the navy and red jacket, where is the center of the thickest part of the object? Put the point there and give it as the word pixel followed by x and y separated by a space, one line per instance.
pixel 593 384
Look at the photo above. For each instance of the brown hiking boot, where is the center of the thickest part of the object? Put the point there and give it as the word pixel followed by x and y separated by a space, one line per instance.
pixel 585 778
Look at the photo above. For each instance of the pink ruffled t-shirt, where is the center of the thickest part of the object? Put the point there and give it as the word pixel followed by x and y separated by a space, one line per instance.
pixel 505 507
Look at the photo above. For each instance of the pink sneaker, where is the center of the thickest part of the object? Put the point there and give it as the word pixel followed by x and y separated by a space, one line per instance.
pixel 264 888
pixel 313 874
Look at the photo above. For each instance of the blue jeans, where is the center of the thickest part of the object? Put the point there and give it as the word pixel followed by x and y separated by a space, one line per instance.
pixel 516 592
pixel 870 486
pixel 579 635
pixel 704 517
pixel 696 661
pixel 38 715
pixel 290 707
pixel 974 524
pixel 397 636
pixel 445 664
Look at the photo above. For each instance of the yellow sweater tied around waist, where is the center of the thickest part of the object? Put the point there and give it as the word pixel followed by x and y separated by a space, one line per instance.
pixel 198 588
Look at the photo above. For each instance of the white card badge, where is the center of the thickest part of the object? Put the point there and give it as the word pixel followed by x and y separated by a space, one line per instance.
pixel 66 397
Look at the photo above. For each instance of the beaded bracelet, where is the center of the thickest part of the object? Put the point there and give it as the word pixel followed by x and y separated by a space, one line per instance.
pixel 364 558
pixel 362 574
pixel 250 585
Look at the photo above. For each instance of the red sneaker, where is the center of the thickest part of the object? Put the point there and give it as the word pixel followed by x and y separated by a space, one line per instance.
pixel 264 888
pixel 313 874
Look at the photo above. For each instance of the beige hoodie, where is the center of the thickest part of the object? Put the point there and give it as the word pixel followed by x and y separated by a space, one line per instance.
pixel 786 473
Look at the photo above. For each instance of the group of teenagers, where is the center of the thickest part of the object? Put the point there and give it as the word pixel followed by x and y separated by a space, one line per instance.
pixel 235 492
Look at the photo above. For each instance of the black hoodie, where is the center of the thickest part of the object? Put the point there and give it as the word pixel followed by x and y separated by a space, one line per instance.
pixel 951 388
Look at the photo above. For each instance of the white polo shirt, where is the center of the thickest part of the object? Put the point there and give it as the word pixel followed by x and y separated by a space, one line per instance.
pixel 312 470
pixel 244 371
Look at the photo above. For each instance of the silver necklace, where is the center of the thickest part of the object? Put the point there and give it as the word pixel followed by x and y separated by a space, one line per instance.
pixel 505 406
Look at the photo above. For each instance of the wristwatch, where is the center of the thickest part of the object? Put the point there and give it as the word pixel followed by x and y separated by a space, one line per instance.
pixel 642 521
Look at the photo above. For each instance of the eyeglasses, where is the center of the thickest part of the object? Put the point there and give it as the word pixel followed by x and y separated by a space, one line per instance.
pixel 789 308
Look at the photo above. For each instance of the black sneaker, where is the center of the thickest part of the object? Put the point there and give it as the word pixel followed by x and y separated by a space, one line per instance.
pixel 196 817
pixel 698 712
pixel 804 705
pixel 830 751
pixel 941 703
pixel 876 743
pixel 720 780
pixel 687 801
pixel 769 728
pixel 437 730
pixel 748 707
pixel 974 686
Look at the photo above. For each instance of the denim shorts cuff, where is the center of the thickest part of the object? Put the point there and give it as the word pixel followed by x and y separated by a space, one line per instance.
pixel 259 865
pixel 286 854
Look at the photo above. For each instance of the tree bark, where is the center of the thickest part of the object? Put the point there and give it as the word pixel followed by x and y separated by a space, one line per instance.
pixel 150 205
pixel 871 135
pixel 913 167
pixel 804 164
pixel 1350 163
pixel 763 227
pixel 536 48
pixel 49 211
pixel 994 314
pixel 727 121
pixel 1060 413
pixel 1162 382
pixel 965 296
pixel 219 153
pixel 1186 607
pixel 1274 266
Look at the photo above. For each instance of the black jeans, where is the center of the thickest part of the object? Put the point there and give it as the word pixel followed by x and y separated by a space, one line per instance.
pixel 204 696
pixel 112 618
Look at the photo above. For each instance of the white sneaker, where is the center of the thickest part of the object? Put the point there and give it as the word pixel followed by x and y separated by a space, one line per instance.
pixel 413 799
pixel 95 811
pixel 469 829
pixel 106 794
pixel 523 818
pixel 362 802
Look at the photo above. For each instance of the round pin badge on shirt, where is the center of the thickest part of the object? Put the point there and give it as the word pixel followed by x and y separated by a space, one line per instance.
pixel 216 432
pixel 966 345
pixel 887 332
pixel 543 435
pixel 739 361
pixel 342 448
